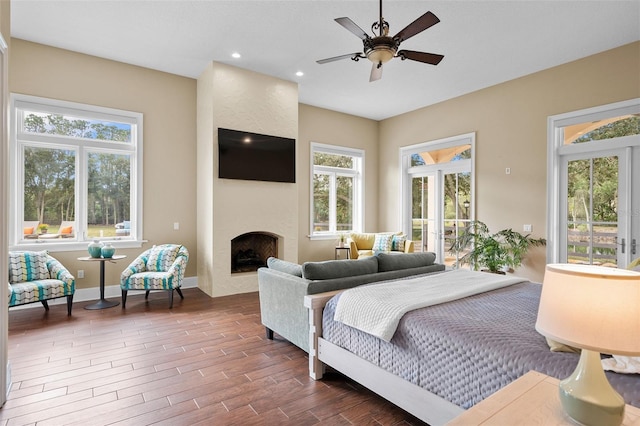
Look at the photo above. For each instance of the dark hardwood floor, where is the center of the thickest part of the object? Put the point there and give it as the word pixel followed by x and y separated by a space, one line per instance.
pixel 205 362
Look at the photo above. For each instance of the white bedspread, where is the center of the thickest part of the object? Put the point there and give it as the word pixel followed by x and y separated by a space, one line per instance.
pixel 376 309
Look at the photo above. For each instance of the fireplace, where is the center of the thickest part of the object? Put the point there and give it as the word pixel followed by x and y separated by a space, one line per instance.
pixel 250 251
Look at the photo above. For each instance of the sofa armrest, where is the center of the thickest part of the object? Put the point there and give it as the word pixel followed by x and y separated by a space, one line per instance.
pixel 408 246
pixel 282 305
pixel 353 248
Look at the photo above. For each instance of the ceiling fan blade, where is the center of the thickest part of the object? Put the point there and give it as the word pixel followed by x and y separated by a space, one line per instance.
pixel 422 23
pixel 427 58
pixel 376 72
pixel 353 27
pixel 337 58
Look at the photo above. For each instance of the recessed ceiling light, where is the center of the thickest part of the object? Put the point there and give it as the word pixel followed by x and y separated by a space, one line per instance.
pixel 235 55
pixel 299 73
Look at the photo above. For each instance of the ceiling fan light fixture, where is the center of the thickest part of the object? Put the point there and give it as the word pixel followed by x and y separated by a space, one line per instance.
pixel 381 54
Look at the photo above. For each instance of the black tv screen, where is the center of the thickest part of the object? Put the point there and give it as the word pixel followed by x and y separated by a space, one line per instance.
pixel 251 156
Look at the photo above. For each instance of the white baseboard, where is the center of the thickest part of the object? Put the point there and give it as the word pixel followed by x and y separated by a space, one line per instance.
pixel 93 293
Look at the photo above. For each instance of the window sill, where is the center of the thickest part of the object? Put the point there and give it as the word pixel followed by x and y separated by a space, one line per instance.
pixel 58 245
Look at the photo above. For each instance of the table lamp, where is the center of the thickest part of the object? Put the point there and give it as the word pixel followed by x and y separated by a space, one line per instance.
pixel 596 309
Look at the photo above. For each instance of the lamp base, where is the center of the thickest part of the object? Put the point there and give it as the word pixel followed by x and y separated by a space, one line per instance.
pixel 587 397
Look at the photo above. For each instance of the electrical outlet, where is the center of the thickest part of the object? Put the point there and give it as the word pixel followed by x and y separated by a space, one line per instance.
pixel 526 228
pixel 80 273
pixel 176 226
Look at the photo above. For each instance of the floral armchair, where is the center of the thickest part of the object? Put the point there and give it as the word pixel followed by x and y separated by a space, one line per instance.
pixel 159 268
pixel 35 276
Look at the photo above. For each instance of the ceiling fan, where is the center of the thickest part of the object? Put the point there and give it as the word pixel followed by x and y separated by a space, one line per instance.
pixel 381 48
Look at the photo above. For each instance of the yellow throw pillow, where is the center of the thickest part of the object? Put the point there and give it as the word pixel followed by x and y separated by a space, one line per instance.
pixel 28 231
pixel 67 230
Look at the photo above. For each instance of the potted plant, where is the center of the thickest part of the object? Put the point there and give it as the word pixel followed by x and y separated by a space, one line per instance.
pixel 495 252
pixel 43 227
pixel 342 238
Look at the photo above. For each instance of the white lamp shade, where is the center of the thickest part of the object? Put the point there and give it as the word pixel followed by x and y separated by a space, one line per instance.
pixel 591 307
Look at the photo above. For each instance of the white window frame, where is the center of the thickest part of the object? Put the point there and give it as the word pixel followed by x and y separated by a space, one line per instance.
pixel 557 151
pixel 19 139
pixel 357 173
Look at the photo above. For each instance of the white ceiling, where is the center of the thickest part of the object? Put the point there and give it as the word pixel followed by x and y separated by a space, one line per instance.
pixel 485 42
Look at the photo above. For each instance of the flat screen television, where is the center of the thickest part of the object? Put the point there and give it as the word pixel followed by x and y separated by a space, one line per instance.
pixel 252 156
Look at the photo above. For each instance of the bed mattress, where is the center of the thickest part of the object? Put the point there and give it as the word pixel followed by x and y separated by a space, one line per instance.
pixel 465 350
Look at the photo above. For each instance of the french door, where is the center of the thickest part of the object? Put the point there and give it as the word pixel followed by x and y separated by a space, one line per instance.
pixel 441 206
pixel 598 192
pixel 594 186
pixel 438 194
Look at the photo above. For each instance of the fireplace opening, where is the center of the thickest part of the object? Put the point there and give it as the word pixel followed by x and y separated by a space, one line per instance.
pixel 250 251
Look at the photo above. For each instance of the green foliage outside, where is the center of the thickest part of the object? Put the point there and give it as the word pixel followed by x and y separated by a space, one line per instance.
pixel 344 193
pixel 50 175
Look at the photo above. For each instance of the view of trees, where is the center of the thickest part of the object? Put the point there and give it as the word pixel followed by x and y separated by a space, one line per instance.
pixel 344 193
pixel 592 198
pixel 50 174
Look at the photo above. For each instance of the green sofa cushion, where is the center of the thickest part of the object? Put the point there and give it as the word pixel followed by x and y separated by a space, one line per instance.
pixel 394 262
pixel 331 269
pixel 284 266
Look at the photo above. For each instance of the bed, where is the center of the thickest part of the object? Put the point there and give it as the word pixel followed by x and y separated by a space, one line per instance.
pixel 445 358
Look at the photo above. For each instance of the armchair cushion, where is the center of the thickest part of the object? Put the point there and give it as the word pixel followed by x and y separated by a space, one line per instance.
pixel 161 257
pixel 158 268
pixel 27 266
pixel 38 277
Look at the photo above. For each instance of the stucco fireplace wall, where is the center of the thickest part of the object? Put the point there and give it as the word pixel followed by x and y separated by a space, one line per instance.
pixel 234 98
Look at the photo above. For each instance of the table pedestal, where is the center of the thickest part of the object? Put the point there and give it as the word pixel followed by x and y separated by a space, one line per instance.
pixel 102 303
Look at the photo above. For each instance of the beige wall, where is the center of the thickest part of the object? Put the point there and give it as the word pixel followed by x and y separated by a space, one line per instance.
pixel 334 128
pixel 511 124
pixel 233 98
pixel 168 103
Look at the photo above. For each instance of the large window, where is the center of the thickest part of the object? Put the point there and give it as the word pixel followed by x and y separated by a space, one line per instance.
pixel 336 180
pixel 76 173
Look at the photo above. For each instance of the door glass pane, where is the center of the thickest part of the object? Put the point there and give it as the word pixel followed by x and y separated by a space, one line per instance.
pixel 422 215
pixel 49 187
pixel 320 202
pixel 457 199
pixel 344 203
pixel 109 194
pixel 592 211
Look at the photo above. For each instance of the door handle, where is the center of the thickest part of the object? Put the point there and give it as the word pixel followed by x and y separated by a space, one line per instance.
pixel 622 246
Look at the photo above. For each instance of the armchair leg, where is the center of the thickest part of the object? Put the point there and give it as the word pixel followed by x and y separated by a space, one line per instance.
pixel 146 295
pixel 170 299
pixel 124 298
pixel 45 304
pixel 180 293
pixel 69 304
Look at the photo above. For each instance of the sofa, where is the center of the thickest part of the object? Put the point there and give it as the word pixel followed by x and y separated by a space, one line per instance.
pixel 368 244
pixel 283 285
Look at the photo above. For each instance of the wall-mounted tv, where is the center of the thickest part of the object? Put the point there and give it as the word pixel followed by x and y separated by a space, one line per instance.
pixel 252 156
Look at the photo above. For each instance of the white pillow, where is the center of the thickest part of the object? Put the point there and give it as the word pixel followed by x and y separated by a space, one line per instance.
pixel 622 364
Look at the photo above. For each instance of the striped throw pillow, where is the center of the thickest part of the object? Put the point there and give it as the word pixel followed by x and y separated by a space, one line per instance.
pixel 162 257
